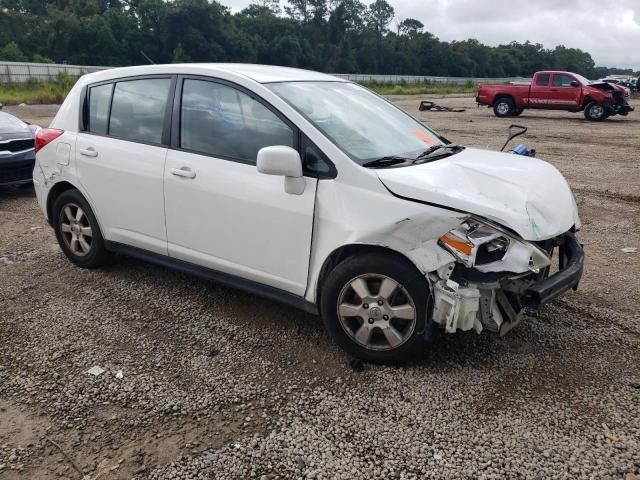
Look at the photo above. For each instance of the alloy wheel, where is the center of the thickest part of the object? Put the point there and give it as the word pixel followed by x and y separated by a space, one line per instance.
pixel 75 229
pixel 503 108
pixel 376 312
pixel 597 111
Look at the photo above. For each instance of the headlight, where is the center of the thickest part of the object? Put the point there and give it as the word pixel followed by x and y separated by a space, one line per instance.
pixel 489 249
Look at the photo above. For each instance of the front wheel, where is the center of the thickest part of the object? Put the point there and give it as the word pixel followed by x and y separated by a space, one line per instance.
pixel 375 307
pixel 595 112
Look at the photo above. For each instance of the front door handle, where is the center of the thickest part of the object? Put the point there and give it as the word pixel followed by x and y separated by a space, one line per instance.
pixel 88 152
pixel 184 172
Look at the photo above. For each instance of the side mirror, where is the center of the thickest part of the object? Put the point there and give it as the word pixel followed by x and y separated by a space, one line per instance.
pixel 575 84
pixel 283 161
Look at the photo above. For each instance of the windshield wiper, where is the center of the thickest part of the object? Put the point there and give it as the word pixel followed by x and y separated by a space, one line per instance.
pixel 434 149
pixel 387 161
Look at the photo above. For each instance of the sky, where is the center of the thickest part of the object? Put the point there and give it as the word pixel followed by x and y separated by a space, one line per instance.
pixel 608 29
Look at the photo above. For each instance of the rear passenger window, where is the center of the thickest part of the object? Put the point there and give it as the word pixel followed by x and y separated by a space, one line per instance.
pixel 562 80
pixel 542 80
pixel 138 109
pixel 99 100
pixel 219 120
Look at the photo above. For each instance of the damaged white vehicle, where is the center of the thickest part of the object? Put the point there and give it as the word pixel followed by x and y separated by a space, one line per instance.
pixel 310 190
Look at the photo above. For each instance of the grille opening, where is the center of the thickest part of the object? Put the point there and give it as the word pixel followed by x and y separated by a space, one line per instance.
pixel 18 145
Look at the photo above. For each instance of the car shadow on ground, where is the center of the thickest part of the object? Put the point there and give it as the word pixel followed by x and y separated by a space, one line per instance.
pixel 291 334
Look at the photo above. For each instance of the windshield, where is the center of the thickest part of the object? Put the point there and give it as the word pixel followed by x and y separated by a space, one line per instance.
pixel 582 79
pixel 9 121
pixel 365 126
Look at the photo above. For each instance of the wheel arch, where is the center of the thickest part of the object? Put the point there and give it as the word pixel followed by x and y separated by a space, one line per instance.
pixel 345 251
pixel 61 187
pixel 504 95
pixel 54 193
pixel 587 100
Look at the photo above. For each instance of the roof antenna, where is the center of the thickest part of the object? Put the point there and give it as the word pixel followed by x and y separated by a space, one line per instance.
pixel 148 59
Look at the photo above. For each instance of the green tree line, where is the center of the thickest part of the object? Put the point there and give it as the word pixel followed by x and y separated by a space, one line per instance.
pixel 341 36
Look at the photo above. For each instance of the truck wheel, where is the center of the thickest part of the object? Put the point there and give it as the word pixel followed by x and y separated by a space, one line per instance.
pixel 503 107
pixel 375 307
pixel 595 112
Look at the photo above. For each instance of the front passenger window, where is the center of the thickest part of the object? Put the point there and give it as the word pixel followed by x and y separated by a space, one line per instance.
pixel 222 121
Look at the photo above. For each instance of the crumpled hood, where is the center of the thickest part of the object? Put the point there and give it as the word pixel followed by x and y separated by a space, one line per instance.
pixel 528 195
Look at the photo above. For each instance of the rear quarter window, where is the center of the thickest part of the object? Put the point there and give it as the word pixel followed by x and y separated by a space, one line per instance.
pixel 99 101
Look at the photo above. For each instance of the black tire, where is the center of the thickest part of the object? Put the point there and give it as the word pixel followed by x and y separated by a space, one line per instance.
pixel 412 290
pixel 595 112
pixel 517 112
pixel 96 255
pixel 503 107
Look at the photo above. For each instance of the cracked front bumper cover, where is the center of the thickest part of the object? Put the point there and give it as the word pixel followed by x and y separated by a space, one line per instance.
pixel 568 277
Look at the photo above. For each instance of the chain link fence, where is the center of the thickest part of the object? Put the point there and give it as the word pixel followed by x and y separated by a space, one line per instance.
pixel 20 72
pixel 421 79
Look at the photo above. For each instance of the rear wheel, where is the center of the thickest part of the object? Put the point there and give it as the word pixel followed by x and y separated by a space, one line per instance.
pixel 375 307
pixel 503 107
pixel 595 112
pixel 77 230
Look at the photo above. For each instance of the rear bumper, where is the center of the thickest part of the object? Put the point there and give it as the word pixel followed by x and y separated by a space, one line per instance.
pixel 568 277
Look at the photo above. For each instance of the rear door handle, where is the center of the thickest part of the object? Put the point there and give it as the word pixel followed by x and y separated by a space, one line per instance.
pixel 184 172
pixel 88 152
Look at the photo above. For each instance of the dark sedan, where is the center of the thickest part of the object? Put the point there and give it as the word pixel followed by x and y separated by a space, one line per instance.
pixel 17 156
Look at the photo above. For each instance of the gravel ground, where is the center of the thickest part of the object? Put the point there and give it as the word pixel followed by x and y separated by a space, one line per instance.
pixel 219 384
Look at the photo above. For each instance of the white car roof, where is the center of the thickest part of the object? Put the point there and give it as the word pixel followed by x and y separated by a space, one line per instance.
pixel 258 73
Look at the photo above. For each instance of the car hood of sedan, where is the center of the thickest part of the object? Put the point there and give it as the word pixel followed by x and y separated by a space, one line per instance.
pixel 525 194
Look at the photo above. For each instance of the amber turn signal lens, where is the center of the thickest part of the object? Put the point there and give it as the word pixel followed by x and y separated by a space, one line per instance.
pixel 457 244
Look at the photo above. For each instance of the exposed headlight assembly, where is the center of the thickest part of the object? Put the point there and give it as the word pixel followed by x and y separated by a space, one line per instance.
pixel 478 244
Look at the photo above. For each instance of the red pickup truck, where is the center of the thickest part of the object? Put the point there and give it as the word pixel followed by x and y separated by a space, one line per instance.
pixel 552 90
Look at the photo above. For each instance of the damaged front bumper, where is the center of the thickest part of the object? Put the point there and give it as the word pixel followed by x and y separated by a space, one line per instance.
pixel 621 108
pixel 568 276
pixel 468 299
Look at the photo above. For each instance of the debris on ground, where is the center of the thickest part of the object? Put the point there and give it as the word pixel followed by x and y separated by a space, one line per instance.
pixel 612 437
pixel 429 106
pixel 6 260
pixel 96 370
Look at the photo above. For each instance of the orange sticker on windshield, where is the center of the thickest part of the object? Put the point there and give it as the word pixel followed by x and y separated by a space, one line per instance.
pixel 424 137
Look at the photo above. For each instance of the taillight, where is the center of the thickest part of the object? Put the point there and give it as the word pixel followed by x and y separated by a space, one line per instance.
pixel 44 136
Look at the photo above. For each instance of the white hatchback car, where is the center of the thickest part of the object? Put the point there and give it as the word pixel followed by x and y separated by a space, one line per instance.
pixel 307 189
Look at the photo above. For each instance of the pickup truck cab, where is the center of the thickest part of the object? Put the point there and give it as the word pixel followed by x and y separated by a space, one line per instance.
pixel 556 90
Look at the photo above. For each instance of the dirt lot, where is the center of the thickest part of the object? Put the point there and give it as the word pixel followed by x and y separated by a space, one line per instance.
pixel 220 384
